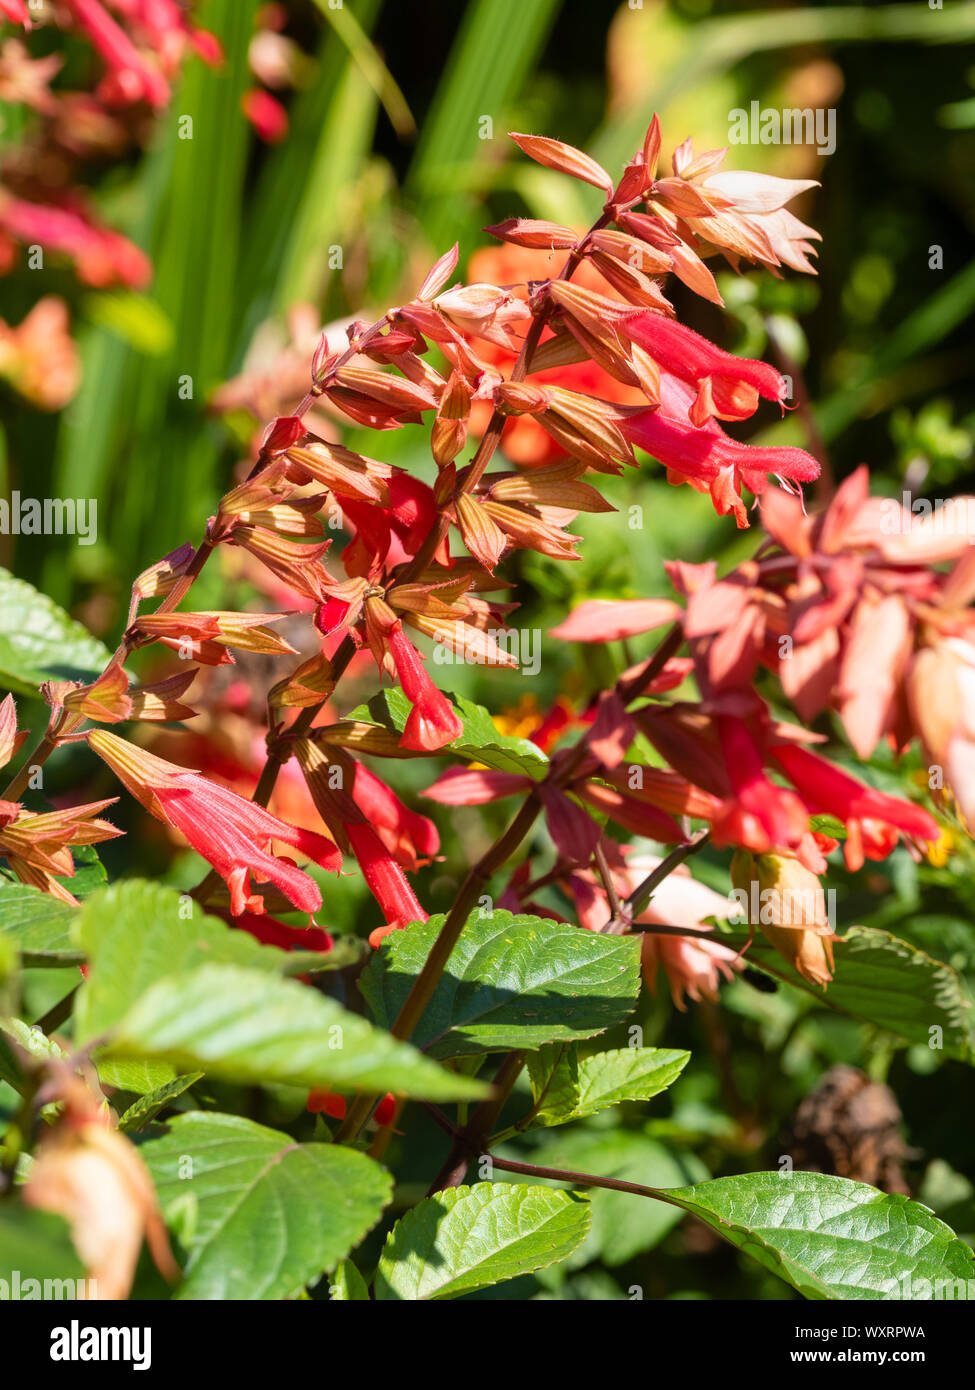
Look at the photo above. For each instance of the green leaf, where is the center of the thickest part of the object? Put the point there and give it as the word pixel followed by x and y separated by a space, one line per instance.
pixel 141 1078
pixel 568 1087
pixel 481 740
pixel 32 1039
pixel 884 981
pixel 347 1285
pixel 135 933
pixel 511 982
pixel 250 1027
pixel 40 642
pixel 89 872
pixel 832 1238
pixel 469 1238
pixel 259 1215
pixel 33 1042
pixel 38 925
pixel 36 1245
pixel 828 825
pixel 141 1111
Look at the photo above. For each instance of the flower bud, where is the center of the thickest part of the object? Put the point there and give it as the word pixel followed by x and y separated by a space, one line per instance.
pixel 785 900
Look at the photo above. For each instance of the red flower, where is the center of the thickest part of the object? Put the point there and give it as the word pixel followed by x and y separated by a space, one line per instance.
pixel 711 457
pixel 266 115
pixel 16 12
pixel 432 722
pixel 606 620
pixel 131 78
pixel 102 257
pixel 231 833
pixel 333 1105
pixel 386 880
pixel 872 818
pixel 270 932
pixel 406 835
pixel 728 386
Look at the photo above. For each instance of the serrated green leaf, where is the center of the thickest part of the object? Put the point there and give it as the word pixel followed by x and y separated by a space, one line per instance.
pixel 884 981
pixel 468 1238
pixel 270 1215
pixel 831 1238
pixel 38 925
pixel 138 1115
pixel 252 1027
pixel 553 1072
pixel 511 982
pixel 568 1087
pixel 40 642
pixel 135 933
pixel 481 740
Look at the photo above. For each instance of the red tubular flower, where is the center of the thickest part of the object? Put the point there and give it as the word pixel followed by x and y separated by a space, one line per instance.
pixel 16 12
pixel 756 804
pixel 714 458
pixel 432 722
pixel 872 818
pixel 387 881
pixel 407 835
pixel 381 848
pixel 413 511
pixel 732 384
pixel 270 932
pixel 331 1104
pixel 326 1103
pixel 131 77
pixel 231 833
pixel 102 257
pixel 385 1110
